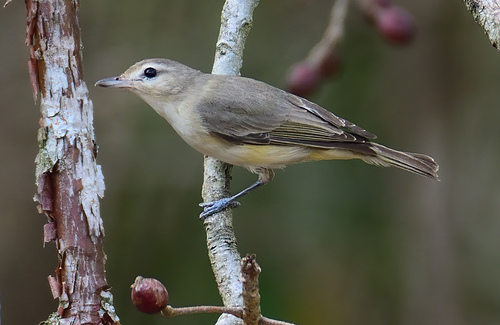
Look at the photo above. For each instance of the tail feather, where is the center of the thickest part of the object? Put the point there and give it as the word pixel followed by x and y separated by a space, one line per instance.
pixel 412 162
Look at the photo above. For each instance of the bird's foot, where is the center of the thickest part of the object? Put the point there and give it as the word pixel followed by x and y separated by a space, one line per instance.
pixel 210 208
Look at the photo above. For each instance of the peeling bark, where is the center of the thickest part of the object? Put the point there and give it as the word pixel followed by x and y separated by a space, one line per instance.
pixel 487 14
pixel 250 271
pixel 69 181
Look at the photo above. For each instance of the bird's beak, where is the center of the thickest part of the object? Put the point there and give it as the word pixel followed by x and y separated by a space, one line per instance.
pixel 118 82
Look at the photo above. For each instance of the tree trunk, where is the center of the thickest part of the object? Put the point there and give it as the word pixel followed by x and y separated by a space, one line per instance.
pixel 69 181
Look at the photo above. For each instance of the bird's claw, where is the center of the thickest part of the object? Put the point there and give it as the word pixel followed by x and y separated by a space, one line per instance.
pixel 210 208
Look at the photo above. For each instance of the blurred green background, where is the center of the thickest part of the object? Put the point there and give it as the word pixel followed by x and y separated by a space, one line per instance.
pixel 338 242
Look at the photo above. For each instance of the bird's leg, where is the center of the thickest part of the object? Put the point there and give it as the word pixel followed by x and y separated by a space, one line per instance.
pixel 209 208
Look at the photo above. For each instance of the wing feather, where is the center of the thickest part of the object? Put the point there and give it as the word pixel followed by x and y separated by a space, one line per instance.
pixel 247 111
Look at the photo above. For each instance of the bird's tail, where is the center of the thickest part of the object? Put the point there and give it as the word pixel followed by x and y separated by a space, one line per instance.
pixel 412 162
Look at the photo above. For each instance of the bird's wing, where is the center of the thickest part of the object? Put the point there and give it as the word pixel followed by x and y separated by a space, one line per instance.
pixel 329 117
pixel 256 113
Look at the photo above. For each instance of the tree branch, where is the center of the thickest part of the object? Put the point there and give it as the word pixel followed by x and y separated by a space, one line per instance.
pixel 487 14
pixel 333 33
pixel 69 181
pixel 236 21
pixel 251 298
pixel 170 312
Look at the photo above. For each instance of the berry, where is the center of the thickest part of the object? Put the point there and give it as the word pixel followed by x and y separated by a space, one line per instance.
pixel 303 79
pixel 149 295
pixel 330 64
pixel 395 24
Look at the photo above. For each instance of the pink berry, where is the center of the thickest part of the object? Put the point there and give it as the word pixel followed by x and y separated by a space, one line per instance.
pixel 330 64
pixel 149 295
pixel 303 79
pixel 395 24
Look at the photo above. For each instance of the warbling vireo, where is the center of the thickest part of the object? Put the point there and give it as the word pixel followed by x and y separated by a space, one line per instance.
pixel 251 124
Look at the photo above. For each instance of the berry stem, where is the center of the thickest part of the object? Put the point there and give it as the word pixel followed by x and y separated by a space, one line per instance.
pixel 170 312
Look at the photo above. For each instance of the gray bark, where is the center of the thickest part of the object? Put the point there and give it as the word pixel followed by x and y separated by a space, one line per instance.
pixel 487 14
pixel 236 21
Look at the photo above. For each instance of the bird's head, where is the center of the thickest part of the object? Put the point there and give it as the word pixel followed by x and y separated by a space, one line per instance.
pixel 152 78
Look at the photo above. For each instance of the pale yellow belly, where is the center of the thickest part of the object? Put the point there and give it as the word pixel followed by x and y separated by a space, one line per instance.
pixel 268 156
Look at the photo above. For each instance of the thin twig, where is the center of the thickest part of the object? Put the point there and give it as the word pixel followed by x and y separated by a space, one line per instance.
pixel 333 33
pixel 170 312
pixel 268 321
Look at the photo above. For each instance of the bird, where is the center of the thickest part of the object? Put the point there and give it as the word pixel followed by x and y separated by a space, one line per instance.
pixel 248 123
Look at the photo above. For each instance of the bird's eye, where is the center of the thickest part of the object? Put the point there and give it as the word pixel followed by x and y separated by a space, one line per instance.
pixel 150 72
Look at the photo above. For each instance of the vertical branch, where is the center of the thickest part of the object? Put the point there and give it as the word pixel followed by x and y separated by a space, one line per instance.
pixel 236 21
pixel 69 181
pixel 487 15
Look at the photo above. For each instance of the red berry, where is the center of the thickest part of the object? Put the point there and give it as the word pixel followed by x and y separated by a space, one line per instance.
pixel 149 295
pixel 303 79
pixel 395 24
pixel 330 63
